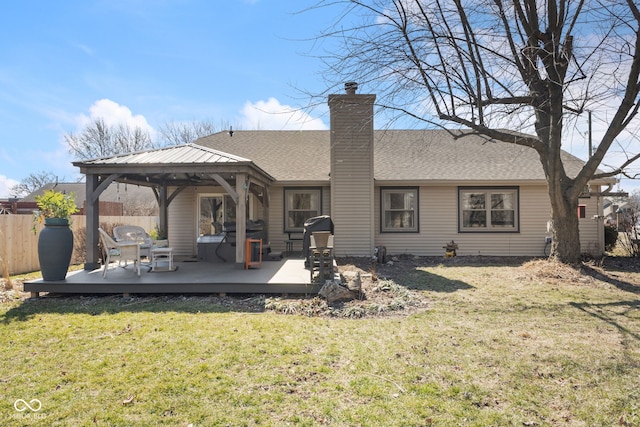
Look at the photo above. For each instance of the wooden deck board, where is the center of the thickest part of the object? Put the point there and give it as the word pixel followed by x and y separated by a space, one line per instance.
pixel 273 277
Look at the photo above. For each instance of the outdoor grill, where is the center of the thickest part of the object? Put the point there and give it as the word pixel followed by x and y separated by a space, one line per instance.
pixel 317 223
pixel 255 230
pixel 221 246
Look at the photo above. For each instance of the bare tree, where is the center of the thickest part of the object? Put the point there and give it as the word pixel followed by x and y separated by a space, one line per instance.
pixel 177 133
pixel 499 67
pixel 33 182
pixel 98 139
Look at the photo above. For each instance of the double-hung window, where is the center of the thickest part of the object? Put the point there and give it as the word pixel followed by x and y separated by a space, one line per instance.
pixel 399 210
pixel 488 209
pixel 300 205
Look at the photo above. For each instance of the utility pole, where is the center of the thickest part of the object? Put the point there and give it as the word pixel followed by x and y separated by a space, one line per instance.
pixel 590 140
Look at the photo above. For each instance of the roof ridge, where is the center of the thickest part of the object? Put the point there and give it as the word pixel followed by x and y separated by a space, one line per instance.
pixel 218 152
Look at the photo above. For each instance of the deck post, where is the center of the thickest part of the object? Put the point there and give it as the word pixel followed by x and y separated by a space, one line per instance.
pixel 163 206
pixel 265 212
pixel 242 187
pixel 92 214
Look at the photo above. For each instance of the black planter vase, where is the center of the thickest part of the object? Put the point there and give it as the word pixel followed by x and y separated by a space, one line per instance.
pixel 55 246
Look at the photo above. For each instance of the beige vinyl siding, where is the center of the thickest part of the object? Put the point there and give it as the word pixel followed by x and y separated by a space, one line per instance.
pixel 277 236
pixel 436 224
pixel 352 204
pixel 352 175
pixel 276 218
pixel 183 212
pixel 439 224
pixel 437 216
pixel 326 200
pixel 592 229
pixel 182 223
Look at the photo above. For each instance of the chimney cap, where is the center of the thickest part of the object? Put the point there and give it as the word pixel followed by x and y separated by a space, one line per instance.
pixel 351 87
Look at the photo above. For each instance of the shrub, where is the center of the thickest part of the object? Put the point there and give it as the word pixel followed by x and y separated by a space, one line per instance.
pixel 610 237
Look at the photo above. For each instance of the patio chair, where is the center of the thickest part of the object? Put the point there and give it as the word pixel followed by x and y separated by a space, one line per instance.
pixel 134 233
pixel 120 251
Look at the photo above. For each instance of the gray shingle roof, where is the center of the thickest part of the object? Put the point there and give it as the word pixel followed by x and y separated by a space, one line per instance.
pixel 399 155
pixel 285 155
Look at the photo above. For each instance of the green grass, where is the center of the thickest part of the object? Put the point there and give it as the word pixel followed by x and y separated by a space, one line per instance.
pixel 494 347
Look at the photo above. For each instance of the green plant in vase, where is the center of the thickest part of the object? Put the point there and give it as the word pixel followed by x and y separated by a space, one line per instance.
pixel 55 242
pixel 54 204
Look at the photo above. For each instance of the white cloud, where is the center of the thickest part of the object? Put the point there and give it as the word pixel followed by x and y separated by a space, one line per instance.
pixel 114 114
pixel 271 115
pixel 5 185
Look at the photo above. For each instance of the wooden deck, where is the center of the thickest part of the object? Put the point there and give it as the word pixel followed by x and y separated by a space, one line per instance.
pixel 286 276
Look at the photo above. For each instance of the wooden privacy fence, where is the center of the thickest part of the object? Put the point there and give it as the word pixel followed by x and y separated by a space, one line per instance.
pixel 19 246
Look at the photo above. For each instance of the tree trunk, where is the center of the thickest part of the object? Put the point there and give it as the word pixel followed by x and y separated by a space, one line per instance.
pixel 566 234
pixel 563 196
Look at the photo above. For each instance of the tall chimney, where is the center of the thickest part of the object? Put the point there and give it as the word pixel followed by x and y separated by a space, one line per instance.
pixel 352 186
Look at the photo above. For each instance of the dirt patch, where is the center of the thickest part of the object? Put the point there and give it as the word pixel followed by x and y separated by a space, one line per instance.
pixel 552 271
pixel 11 291
pixel 378 296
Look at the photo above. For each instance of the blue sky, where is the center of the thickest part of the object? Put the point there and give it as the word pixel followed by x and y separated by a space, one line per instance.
pixel 147 62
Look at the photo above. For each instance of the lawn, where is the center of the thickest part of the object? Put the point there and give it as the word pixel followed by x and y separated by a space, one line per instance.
pixel 494 345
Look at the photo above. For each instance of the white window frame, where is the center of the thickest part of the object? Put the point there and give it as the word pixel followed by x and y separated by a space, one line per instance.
pixel 485 210
pixel 316 198
pixel 410 207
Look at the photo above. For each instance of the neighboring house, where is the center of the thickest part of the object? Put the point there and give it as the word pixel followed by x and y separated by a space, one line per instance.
pixel 620 213
pixel 117 200
pixel 412 191
pixel 14 206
